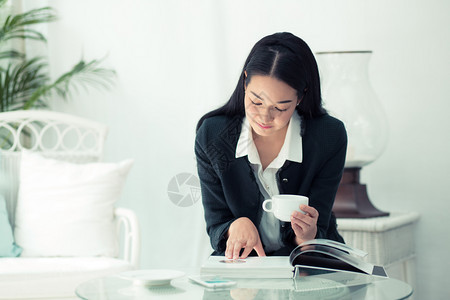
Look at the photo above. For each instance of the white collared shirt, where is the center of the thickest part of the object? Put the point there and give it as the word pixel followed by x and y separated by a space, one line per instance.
pixel 269 228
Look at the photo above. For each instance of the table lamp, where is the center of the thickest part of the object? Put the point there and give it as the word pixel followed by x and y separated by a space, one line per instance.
pixel 349 96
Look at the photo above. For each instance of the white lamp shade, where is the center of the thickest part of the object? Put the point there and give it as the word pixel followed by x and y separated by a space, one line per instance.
pixel 349 96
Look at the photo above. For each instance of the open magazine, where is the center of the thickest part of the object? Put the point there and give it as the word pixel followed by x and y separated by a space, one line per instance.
pixel 319 255
pixel 331 255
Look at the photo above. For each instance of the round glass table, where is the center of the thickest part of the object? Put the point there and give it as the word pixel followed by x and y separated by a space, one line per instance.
pixel 310 287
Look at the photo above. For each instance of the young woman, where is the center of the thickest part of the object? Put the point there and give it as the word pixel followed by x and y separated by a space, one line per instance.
pixel 272 137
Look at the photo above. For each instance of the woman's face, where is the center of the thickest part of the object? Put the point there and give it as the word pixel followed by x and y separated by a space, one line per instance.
pixel 269 105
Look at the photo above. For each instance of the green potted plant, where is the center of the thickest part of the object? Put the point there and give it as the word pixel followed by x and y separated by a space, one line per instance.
pixel 24 81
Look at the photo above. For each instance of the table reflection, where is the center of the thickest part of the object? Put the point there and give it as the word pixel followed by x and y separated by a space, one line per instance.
pixel 302 288
pixel 320 286
pixel 250 294
pixel 314 284
pixel 143 292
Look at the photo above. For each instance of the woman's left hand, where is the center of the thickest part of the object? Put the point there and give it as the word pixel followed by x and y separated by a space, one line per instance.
pixel 304 225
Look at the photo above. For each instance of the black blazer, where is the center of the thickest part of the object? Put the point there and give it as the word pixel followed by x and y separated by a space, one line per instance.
pixel 229 187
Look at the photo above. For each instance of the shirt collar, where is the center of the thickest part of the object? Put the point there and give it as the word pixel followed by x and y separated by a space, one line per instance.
pixel 291 150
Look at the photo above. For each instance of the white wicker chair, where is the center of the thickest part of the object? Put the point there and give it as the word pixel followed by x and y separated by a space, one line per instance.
pixel 64 137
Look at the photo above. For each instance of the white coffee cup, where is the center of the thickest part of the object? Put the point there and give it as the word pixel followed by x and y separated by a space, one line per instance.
pixel 283 205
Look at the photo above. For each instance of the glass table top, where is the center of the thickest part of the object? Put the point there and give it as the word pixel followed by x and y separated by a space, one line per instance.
pixel 335 286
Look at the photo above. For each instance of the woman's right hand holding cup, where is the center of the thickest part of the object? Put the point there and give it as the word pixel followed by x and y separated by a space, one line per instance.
pixel 243 234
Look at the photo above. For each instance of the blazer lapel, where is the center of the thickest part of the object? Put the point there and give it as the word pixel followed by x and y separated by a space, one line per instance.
pixel 243 191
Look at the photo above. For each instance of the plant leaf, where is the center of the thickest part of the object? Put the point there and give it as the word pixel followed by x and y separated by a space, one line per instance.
pixel 15 25
pixel 82 74
pixel 11 54
pixel 19 81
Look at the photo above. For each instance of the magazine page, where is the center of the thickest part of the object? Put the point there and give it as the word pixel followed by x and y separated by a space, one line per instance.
pixel 257 267
pixel 297 256
pixel 347 278
pixel 337 245
pixel 252 262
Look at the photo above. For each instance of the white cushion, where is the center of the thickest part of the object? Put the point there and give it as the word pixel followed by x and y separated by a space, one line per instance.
pixel 17 267
pixel 66 209
pixel 52 277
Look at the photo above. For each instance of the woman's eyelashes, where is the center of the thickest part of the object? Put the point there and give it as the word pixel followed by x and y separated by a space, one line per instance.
pixel 280 110
pixel 256 103
pixel 259 104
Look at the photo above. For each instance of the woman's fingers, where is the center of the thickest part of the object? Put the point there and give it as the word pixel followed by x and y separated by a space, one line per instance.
pixel 231 246
pixel 243 234
pixel 309 210
pixel 237 249
pixel 248 247
pixel 309 217
pixel 259 248
pixel 301 220
pixel 305 225
pixel 246 252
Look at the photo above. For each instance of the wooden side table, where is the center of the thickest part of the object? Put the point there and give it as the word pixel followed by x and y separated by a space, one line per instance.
pixel 389 241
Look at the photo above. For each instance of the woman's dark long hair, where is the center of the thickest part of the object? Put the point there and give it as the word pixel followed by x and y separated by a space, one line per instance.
pixel 285 57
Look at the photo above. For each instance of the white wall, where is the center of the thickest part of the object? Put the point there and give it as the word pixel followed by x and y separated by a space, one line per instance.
pixel 177 59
